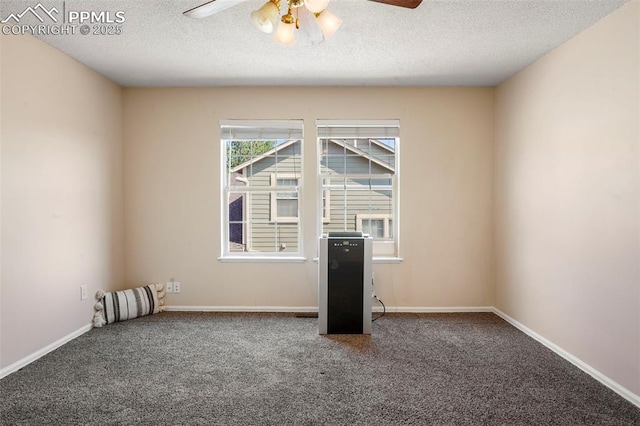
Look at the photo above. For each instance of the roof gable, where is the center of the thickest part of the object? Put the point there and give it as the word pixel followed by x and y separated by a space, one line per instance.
pixel 344 145
pixel 365 154
pixel 264 155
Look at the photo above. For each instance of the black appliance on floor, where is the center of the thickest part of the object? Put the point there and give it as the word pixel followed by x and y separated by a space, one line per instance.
pixel 345 283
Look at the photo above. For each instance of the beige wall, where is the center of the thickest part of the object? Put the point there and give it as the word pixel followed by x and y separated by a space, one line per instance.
pixel 567 197
pixel 172 193
pixel 1 344
pixel 61 194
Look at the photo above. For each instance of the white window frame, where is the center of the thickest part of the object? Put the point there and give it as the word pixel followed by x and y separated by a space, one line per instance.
pixel 325 210
pixel 273 208
pixel 258 130
pixel 386 249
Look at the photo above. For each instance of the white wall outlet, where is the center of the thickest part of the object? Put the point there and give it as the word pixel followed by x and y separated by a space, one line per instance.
pixel 83 292
pixel 176 287
pixel 169 287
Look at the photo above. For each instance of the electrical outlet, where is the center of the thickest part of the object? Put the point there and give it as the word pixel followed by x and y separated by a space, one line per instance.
pixel 169 287
pixel 176 287
pixel 83 292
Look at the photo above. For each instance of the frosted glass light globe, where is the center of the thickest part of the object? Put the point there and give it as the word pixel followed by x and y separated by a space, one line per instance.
pixel 316 6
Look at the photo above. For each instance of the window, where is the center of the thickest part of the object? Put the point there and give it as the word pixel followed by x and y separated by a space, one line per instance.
pixel 377 225
pixel 284 205
pixel 262 163
pixel 359 178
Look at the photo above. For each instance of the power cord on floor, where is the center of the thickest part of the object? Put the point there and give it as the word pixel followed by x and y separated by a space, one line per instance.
pixel 384 308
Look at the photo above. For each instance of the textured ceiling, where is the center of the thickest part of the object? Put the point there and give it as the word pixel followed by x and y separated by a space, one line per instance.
pixel 441 43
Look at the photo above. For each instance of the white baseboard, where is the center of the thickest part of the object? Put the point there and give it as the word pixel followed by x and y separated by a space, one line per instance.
pixel 617 388
pixel 294 309
pixel 42 352
pixel 180 308
pixel 436 309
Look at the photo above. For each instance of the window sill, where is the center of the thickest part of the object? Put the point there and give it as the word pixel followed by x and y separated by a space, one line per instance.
pixel 263 259
pixel 377 260
pixel 387 259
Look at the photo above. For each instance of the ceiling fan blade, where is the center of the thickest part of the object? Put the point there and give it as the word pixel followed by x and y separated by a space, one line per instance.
pixel 211 7
pixel 410 4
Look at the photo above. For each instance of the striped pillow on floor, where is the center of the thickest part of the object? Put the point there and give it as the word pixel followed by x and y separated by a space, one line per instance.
pixel 128 304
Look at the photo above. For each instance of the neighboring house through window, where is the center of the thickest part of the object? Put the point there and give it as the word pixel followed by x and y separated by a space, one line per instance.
pixel 262 163
pixel 359 177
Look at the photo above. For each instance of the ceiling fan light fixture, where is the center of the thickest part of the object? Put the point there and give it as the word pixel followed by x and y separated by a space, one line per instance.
pixel 329 23
pixel 265 18
pixel 285 33
pixel 316 6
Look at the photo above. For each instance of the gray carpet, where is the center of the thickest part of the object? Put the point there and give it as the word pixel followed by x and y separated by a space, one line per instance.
pixel 273 369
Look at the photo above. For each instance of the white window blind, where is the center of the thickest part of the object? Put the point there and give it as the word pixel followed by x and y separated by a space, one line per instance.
pixel 261 129
pixel 358 129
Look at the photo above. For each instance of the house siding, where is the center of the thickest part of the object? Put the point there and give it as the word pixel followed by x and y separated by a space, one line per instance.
pixel 264 234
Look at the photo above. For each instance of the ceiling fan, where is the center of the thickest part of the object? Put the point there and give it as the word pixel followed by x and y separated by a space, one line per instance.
pixel 266 17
